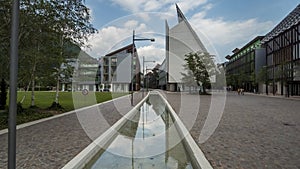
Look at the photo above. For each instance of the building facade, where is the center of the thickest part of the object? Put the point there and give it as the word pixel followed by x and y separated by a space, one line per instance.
pixel 243 66
pixel 282 55
pixel 86 73
pixel 120 70
pixel 162 76
pixel 180 40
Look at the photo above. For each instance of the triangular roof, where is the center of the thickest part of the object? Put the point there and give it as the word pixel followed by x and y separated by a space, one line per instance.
pixel 183 20
pixel 180 15
pixel 128 47
pixel 293 18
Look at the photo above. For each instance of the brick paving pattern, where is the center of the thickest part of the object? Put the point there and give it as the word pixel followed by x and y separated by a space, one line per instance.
pixel 254 132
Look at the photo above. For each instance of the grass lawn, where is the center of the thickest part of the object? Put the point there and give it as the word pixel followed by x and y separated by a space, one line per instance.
pixel 43 101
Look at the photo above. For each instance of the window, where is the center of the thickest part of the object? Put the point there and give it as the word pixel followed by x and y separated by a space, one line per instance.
pixel 113 61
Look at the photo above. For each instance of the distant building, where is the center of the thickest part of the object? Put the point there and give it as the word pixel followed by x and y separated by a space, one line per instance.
pixel 180 40
pixel 117 70
pixel 283 59
pixel 244 64
pixel 152 78
pixel 162 76
pixel 86 73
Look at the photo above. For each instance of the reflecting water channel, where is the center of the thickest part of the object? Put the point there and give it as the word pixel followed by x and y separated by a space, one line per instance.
pixel 148 140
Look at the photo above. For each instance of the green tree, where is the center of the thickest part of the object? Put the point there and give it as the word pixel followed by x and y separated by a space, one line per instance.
pixel 202 66
pixel 72 24
pixel 47 29
pixel 189 79
pixel 5 20
pixel 261 76
pixel 242 77
pixel 220 78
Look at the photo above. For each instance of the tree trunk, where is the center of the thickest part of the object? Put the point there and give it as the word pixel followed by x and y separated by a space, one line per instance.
pixel 33 76
pixel 58 72
pixel 57 91
pixel 204 90
pixel 27 89
pixel 33 85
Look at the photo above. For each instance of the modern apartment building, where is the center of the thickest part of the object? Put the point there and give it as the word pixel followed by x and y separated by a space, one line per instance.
pixel 120 70
pixel 86 73
pixel 283 59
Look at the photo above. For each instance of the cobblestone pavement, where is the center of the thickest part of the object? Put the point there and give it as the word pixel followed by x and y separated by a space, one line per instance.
pixel 51 144
pixel 254 131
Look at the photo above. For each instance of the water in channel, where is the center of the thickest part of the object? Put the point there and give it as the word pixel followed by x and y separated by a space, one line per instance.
pixel 149 140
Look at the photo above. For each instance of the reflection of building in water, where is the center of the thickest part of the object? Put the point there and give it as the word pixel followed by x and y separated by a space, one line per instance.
pixel 180 40
pixel 175 154
pixel 149 140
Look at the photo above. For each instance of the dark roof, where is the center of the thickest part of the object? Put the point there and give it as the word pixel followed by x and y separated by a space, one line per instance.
pixel 290 20
pixel 128 47
pixel 228 57
pixel 156 66
pixel 236 50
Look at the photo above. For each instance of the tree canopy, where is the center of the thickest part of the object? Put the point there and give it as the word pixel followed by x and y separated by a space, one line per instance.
pixel 50 33
pixel 201 66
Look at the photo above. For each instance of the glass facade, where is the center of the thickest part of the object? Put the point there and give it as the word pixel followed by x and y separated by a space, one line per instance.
pixel 240 70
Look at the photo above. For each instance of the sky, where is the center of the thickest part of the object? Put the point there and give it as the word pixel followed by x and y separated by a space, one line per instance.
pixel 222 25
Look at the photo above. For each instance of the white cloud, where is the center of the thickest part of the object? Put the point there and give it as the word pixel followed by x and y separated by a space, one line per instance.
pixel 112 37
pixel 151 5
pixel 131 24
pixel 228 34
pixel 223 34
pixel 158 5
pixel 188 5
pixel 208 6
pixel 151 53
pixel 144 16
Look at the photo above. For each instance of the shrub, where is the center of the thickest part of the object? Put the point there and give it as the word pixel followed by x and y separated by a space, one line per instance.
pixel 3 94
pixel 20 108
pixel 56 106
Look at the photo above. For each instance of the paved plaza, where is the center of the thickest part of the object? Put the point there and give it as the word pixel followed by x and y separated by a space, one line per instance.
pixel 254 132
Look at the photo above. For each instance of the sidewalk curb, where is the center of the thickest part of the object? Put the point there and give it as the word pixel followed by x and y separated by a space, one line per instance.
pixel 276 96
pixel 20 126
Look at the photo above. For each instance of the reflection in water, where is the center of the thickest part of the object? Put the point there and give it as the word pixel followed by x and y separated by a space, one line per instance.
pixel 148 140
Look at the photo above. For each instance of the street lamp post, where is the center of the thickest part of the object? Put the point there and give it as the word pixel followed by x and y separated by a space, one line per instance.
pixel 133 46
pixel 13 75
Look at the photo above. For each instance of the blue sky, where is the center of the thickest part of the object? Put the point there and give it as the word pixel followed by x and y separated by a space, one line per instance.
pixel 222 25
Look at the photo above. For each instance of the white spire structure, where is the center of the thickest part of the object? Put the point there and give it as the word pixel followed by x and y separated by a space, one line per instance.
pixel 180 15
pixel 180 40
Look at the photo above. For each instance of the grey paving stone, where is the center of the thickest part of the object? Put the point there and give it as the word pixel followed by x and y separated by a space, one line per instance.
pixel 254 132
pixel 51 144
